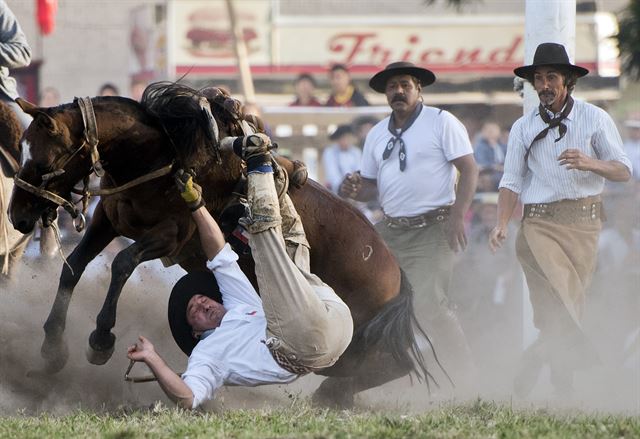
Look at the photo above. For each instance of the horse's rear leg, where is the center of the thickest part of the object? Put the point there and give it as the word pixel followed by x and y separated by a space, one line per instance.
pixel 376 369
pixel 98 235
pixel 157 242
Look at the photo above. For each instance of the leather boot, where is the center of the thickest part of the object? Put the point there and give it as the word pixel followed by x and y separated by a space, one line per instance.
pixel 533 358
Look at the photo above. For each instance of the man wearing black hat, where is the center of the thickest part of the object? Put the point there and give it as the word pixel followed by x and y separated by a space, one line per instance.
pixel 558 158
pixel 341 157
pixel 410 160
pixel 233 336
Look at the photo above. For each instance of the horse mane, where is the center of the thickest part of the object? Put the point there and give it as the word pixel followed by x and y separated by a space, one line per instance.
pixel 177 109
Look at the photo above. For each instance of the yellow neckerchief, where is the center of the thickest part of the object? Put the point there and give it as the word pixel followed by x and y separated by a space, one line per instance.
pixel 344 97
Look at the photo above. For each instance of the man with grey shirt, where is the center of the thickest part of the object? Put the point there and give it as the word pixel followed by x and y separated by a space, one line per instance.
pixel 14 53
pixel 558 158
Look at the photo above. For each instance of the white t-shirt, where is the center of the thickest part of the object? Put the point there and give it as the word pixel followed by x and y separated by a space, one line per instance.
pixel 338 162
pixel 432 142
pixel 234 353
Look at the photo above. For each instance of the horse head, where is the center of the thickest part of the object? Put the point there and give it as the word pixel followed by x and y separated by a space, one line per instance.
pixel 54 157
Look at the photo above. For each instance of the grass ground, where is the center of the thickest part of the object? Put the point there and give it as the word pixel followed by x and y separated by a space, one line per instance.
pixel 476 420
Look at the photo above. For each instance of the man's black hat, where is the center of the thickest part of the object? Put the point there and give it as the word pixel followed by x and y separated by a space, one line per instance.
pixel 199 282
pixel 550 54
pixel 379 80
pixel 342 130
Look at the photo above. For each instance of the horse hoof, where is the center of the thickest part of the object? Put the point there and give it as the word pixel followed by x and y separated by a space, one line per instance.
pixel 55 355
pixel 333 393
pixel 98 353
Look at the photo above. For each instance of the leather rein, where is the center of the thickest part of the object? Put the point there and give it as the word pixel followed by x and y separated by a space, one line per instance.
pixel 91 141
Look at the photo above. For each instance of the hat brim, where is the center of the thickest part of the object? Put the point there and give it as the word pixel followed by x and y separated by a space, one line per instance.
pixel 526 72
pixel 199 282
pixel 379 80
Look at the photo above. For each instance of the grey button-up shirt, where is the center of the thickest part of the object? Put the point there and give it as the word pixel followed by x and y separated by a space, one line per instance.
pixel 14 50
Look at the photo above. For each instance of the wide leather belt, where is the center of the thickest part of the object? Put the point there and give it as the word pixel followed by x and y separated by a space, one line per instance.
pixel 567 211
pixel 288 363
pixel 419 221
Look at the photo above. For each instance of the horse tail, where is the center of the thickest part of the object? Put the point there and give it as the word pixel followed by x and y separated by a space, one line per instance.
pixel 394 329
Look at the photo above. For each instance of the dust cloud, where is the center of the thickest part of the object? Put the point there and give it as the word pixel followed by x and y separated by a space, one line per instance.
pixel 24 306
pixel 487 295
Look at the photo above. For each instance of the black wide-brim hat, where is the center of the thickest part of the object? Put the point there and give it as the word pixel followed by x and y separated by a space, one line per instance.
pixel 342 130
pixel 199 282
pixel 379 80
pixel 549 54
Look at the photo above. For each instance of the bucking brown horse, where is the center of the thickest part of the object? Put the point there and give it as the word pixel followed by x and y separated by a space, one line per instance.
pixel 173 127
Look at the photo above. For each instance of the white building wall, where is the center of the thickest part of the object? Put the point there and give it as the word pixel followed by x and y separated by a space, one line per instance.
pixel 88 47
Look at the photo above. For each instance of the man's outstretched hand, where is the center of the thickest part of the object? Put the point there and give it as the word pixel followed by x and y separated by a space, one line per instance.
pixel 141 351
pixel 190 191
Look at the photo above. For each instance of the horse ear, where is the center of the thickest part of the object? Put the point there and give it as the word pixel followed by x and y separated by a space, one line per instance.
pixel 27 106
pixel 47 121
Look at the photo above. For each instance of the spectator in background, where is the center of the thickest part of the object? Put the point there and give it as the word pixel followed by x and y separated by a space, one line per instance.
pixel 341 157
pixel 488 151
pixel 49 97
pixel 487 181
pixel 108 89
pixel 632 144
pixel 343 92
pixel 137 89
pixel 361 127
pixel 14 52
pixel 305 87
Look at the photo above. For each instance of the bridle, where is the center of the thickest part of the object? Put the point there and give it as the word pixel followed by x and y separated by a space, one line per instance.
pixel 91 141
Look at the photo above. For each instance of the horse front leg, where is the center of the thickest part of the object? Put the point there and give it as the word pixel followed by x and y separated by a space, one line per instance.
pixel 98 235
pixel 157 242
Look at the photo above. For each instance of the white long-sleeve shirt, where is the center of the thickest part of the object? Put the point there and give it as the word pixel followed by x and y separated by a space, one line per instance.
pixel 542 179
pixel 234 354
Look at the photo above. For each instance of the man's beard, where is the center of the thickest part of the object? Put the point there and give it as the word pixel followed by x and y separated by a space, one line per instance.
pixel 547 98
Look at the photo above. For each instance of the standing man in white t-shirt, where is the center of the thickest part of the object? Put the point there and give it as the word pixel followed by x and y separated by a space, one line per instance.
pixel 410 160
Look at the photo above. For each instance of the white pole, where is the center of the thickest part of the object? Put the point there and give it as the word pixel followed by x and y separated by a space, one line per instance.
pixel 242 57
pixel 547 21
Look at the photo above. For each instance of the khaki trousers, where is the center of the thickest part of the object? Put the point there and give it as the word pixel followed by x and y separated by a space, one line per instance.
pixel 558 262
pixel 311 325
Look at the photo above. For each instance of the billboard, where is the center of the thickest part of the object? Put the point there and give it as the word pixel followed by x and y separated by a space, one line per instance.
pixel 201 41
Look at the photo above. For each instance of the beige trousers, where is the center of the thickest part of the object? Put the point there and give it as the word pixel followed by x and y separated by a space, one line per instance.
pixel 309 323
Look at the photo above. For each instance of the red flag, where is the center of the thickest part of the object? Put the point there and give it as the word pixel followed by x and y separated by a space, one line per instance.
pixel 47 10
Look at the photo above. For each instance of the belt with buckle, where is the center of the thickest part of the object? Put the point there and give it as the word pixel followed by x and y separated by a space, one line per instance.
pixel 567 211
pixel 287 362
pixel 419 221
